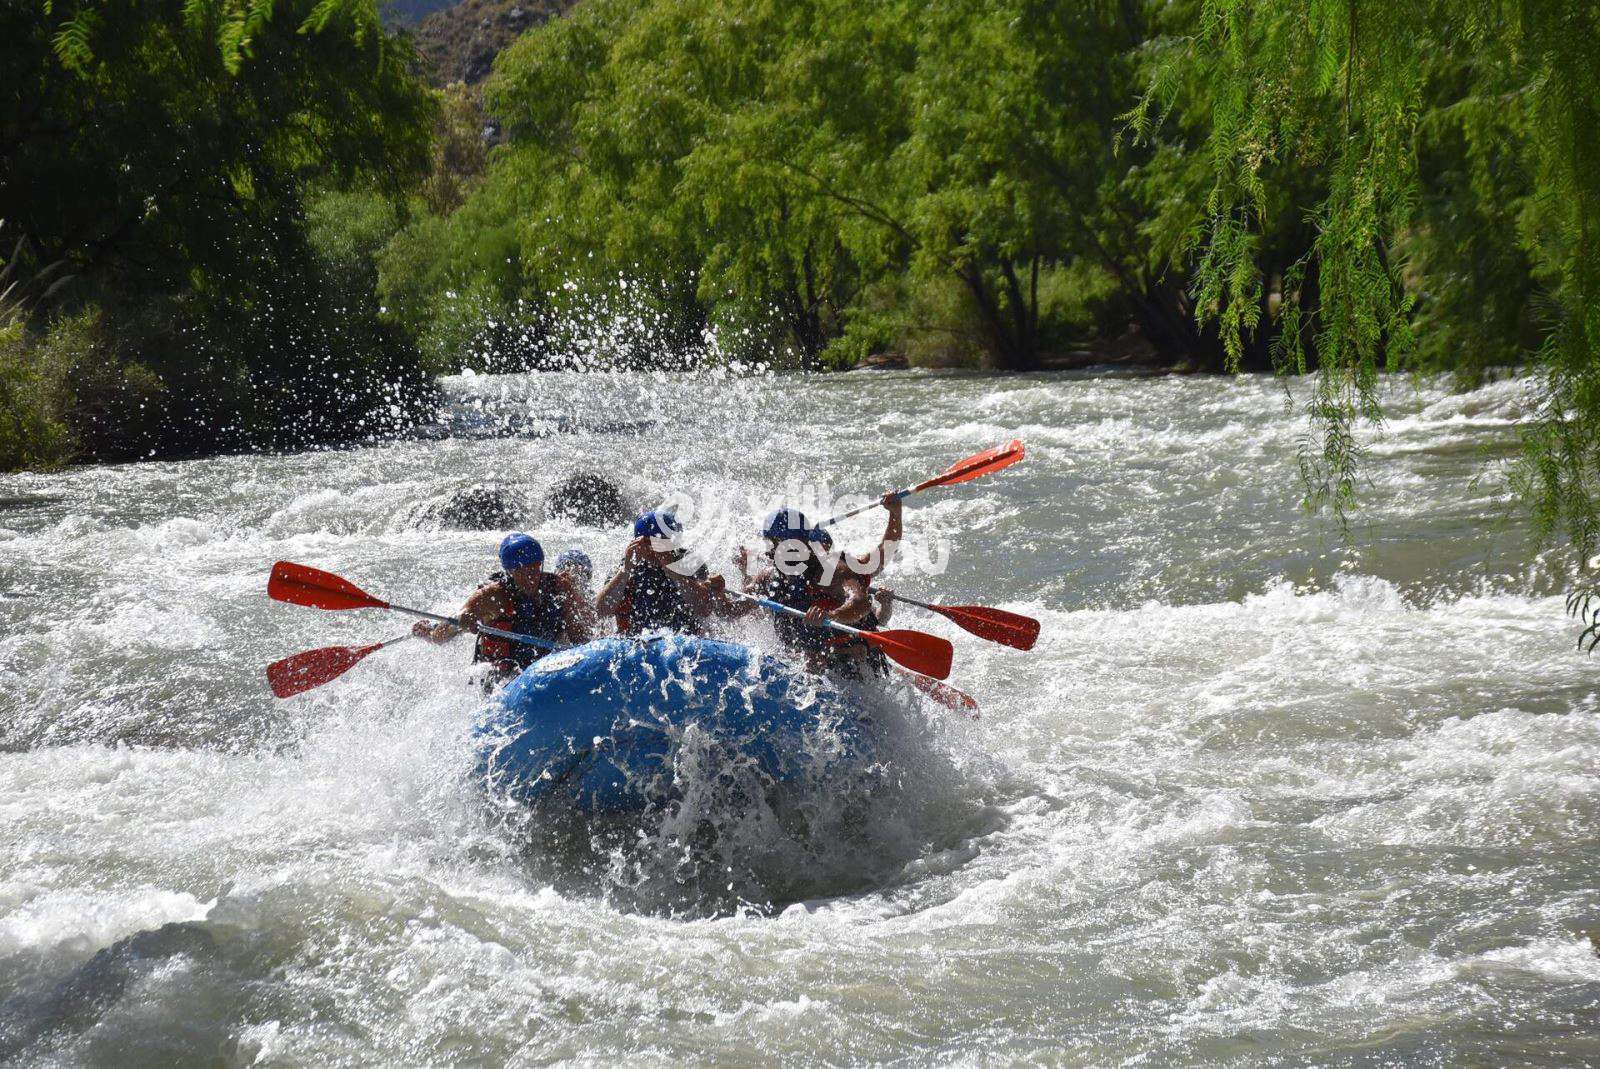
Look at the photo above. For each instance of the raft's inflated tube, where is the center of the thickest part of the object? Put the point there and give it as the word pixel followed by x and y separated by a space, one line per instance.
pixel 593 727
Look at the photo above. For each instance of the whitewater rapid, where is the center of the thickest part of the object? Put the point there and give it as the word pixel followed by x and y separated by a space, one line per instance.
pixel 1259 794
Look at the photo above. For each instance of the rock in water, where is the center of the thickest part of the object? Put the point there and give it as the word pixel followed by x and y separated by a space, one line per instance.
pixel 588 498
pixel 478 508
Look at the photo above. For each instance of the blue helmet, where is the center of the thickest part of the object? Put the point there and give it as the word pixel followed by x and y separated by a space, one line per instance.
pixel 519 550
pixel 786 523
pixel 821 537
pixel 657 523
pixel 574 558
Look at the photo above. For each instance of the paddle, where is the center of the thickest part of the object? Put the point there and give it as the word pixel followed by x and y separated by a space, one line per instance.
pixel 927 654
pixel 299 584
pixel 996 625
pixel 304 671
pixel 979 464
pixel 945 695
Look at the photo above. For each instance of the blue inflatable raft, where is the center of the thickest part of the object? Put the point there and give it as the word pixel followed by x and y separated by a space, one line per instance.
pixel 595 727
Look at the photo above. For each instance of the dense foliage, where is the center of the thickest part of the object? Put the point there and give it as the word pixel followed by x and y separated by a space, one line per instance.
pixel 166 158
pixel 822 180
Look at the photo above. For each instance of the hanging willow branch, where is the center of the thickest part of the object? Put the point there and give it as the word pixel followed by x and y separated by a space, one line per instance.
pixel 1336 88
pixel 232 25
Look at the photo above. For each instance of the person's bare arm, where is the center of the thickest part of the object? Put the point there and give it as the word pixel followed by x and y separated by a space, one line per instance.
pixel 870 564
pixel 484 604
pixel 611 594
pixel 735 607
pixel 855 604
pixel 616 588
pixel 723 603
pixel 884 597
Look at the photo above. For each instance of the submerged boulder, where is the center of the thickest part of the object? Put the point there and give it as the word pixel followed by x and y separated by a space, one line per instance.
pixel 589 498
pixel 477 508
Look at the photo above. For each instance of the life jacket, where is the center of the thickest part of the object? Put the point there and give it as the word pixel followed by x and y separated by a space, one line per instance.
pixel 654 600
pixel 826 646
pixel 542 615
pixel 800 592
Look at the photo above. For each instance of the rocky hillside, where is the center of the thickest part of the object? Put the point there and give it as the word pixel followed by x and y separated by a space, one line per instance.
pixel 403 14
pixel 459 43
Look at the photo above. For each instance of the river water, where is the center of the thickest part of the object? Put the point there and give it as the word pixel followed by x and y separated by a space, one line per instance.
pixel 1258 795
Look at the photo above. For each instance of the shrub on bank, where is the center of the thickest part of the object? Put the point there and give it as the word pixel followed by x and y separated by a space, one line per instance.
pixel 33 433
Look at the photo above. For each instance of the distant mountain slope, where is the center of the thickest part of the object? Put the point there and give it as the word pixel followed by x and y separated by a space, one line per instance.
pixel 407 13
pixel 459 43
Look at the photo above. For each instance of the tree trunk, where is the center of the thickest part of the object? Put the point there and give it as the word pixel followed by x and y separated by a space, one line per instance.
pixel 1012 343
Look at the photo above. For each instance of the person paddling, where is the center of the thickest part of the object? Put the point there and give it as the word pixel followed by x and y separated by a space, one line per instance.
pixel 579 571
pixel 652 590
pixel 521 597
pixel 798 578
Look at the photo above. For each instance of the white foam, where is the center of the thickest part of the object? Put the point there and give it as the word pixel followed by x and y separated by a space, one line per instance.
pixel 73 924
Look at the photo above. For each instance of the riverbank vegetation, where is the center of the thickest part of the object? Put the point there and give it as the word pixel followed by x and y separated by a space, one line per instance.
pixel 271 231
pixel 183 278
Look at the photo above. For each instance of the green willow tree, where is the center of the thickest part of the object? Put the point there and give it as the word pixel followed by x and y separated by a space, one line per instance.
pixel 775 168
pixel 1397 105
pixel 965 141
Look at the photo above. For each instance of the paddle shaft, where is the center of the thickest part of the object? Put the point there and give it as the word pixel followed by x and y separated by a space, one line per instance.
pixel 975 466
pixel 484 629
pixel 301 584
pixel 789 610
pixel 899 495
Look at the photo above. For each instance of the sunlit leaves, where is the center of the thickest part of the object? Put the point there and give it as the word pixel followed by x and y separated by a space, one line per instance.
pixel 73 41
pixel 785 156
pixel 231 26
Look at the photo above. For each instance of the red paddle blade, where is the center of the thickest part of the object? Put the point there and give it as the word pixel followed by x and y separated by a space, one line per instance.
pixel 985 463
pixel 996 625
pixel 928 654
pixel 316 589
pixel 298 674
pixel 947 696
